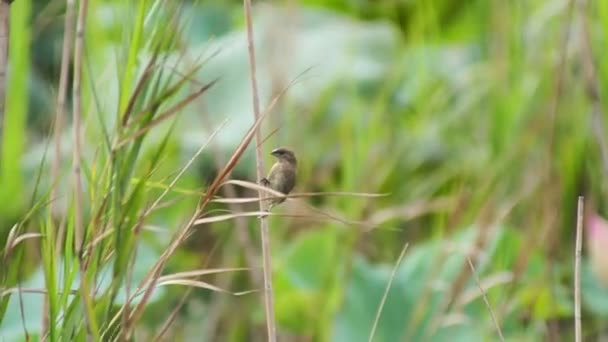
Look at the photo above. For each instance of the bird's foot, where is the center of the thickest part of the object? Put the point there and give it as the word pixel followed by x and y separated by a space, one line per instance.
pixel 264 215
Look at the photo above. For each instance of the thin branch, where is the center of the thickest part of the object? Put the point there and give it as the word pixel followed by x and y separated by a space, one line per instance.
pixel 577 271
pixel 485 300
pixel 264 234
pixel 385 295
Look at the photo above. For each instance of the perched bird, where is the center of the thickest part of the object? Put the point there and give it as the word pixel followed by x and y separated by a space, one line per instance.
pixel 282 175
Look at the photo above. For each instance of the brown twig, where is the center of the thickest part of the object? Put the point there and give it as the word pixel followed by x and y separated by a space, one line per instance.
pixel 267 269
pixel 577 271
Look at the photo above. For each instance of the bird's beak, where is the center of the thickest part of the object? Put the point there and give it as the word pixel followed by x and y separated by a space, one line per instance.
pixel 274 152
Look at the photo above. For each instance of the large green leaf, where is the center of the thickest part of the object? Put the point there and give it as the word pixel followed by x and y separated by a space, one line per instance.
pixel 368 282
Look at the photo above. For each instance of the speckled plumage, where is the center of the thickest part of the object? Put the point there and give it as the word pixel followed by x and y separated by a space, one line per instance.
pixel 282 175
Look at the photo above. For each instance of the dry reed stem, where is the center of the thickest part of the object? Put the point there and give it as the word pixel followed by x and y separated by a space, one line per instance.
pixel 241 228
pixel 385 295
pixel 577 271
pixel 264 234
pixel 485 300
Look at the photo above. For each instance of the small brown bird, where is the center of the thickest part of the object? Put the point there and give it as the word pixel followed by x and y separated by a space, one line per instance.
pixel 282 175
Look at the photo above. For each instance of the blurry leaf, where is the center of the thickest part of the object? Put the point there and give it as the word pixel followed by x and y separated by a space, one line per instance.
pixel 367 286
pixel 363 295
pixel 14 118
pixel 297 310
pixel 302 279
pixel 207 21
pixel 309 260
pixel 595 296
pixel 543 307
pixel 546 299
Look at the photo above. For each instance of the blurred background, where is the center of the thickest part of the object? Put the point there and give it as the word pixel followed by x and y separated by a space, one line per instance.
pixel 481 121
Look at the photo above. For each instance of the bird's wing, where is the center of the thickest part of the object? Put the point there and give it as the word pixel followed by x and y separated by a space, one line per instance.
pixel 273 173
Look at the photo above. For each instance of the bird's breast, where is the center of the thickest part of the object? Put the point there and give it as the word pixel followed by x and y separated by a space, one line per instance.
pixel 282 178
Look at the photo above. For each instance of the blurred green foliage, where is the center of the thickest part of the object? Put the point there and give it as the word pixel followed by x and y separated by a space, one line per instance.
pixel 475 117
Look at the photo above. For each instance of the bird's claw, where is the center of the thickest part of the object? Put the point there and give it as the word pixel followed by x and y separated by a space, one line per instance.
pixel 264 215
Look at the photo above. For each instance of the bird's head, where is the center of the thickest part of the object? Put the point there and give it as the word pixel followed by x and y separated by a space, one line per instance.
pixel 283 154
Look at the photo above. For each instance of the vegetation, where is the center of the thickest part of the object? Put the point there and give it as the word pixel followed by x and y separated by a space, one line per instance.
pixel 442 146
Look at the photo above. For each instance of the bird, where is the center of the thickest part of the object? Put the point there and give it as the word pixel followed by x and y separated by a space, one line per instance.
pixel 282 175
